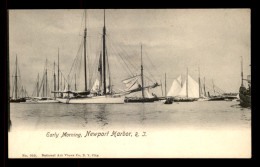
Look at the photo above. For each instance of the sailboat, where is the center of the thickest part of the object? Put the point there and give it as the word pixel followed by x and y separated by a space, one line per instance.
pixel 203 93
pixel 218 93
pixel 133 86
pixel 41 92
pixel 105 95
pixel 245 93
pixel 187 91
pixel 202 90
pixel 19 92
pixel 168 100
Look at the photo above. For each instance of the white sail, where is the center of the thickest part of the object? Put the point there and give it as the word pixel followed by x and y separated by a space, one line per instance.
pixel 182 92
pixel 179 79
pixel 193 89
pixel 95 86
pixel 175 88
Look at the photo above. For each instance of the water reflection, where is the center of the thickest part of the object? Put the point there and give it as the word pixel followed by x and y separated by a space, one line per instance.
pixel 142 114
pixel 85 116
pixel 245 117
pixel 102 115
pixel 36 116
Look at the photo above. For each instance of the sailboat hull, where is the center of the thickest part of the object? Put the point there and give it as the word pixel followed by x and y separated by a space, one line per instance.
pixel 216 99
pixel 168 101
pixel 93 100
pixel 140 100
pixel 203 98
pixel 17 100
pixel 245 97
pixel 47 101
pixel 184 99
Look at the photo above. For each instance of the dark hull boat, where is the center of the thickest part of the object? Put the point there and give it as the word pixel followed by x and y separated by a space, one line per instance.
pixel 185 100
pixel 140 100
pixel 217 98
pixel 245 93
pixel 17 100
pixel 245 100
pixel 230 98
pixel 245 96
pixel 168 101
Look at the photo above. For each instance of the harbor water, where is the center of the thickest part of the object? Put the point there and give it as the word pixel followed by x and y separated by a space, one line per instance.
pixel 207 115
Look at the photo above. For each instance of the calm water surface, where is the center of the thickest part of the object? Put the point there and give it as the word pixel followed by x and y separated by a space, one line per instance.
pixel 201 115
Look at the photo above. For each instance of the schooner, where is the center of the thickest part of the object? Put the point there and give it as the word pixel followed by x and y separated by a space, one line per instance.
pixel 105 94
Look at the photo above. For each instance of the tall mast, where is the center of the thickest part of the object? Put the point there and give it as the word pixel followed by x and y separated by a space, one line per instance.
pixel 37 91
pixel 16 78
pixel 58 70
pixel 85 63
pixel 142 75
pixel 68 82
pixel 199 83
pixel 46 80
pixel 21 93
pixel 104 52
pixel 109 76
pixel 213 87
pixel 64 84
pixel 161 87
pixel 187 89
pixel 43 88
pixel 75 83
pixel 242 83
pixel 100 70
pixel 61 83
pixel 165 84
pixel 205 94
pixel 54 80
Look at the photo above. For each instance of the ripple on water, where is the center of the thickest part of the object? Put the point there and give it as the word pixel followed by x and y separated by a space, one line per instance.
pixel 196 114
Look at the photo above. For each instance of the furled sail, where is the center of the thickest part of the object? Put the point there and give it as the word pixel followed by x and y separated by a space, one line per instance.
pixel 131 83
pixel 175 88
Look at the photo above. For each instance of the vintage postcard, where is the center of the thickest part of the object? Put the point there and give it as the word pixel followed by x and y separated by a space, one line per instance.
pixel 129 83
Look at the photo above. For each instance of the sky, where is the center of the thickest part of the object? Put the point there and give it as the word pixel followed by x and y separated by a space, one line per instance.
pixel 173 40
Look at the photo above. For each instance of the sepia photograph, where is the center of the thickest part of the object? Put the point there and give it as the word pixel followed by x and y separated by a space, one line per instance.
pixel 129 83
